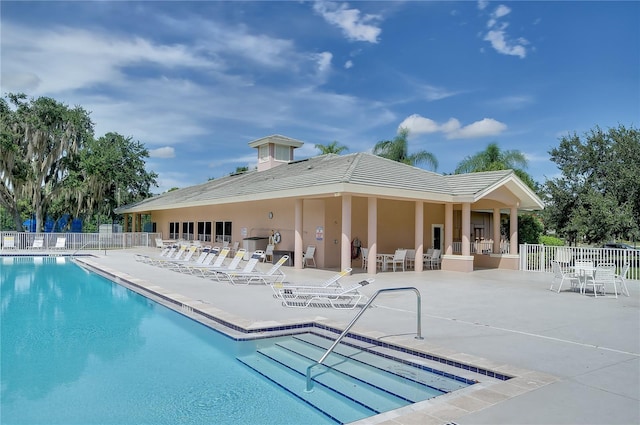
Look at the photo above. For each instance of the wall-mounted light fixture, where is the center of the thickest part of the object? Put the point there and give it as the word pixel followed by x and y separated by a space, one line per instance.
pixel 270 215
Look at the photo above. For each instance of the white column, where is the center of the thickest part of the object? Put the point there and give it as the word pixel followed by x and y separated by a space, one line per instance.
pixel 297 247
pixel 496 230
pixel 448 229
pixel 513 230
pixel 419 236
pixel 466 229
pixel 372 234
pixel 345 248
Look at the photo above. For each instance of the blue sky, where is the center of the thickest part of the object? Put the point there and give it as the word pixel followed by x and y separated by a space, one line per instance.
pixel 197 81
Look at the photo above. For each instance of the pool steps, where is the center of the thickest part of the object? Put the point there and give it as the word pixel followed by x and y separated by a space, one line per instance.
pixel 352 385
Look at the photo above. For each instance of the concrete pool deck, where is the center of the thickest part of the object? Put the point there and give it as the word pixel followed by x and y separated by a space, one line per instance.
pixel 576 358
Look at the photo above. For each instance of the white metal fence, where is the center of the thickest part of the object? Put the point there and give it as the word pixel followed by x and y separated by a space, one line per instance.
pixel 538 258
pixel 484 247
pixel 534 258
pixel 80 241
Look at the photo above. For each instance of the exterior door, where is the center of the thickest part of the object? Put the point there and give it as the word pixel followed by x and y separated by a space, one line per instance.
pixel 436 233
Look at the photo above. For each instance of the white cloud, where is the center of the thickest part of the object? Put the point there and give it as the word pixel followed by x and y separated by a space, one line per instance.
pixel 354 26
pixel 501 11
pixel 437 93
pixel 452 129
pixel 483 128
pixel 482 4
pixel 512 102
pixel 323 61
pixel 501 45
pixel 67 58
pixel 498 37
pixel 165 152
pixel 348 64
pixel 419 125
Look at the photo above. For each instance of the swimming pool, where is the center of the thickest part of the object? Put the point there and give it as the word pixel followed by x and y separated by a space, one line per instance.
pixel 79 348
pixel 86 351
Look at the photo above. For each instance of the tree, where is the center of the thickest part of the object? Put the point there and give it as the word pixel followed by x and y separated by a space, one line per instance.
pixel 40 140
pixel 495 159
pixel 110 172
pixel 598 196
pixel 398 150
pixel 333 147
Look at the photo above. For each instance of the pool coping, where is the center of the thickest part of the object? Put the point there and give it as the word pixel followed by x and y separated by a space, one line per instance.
pixel 439 410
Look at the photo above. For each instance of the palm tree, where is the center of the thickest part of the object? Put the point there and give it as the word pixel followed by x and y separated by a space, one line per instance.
pixel 332 147
pixel 398 150
pixel 495 159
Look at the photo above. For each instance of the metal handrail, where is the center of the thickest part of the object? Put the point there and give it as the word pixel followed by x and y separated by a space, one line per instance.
pixel 85 245
pixel 309 386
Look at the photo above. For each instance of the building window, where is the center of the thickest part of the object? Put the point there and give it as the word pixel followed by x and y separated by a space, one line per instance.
pixel 187 230
pixel 263 153
pixel 283 153
pixel 204 231
pixel 223 231
pixel 174 230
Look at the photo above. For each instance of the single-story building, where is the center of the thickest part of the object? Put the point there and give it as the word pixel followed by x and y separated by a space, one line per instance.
pixel 331 200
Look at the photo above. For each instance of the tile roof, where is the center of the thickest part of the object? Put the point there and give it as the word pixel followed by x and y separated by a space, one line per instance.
pixel 358 173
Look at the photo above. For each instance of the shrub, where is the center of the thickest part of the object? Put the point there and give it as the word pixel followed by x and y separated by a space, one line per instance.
pixel 551 241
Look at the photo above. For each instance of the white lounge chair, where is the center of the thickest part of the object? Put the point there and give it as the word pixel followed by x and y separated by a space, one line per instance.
pixel 340 297
pixel 173 254
pixel 61 243
pixel 175 264
pixel 9 242
pixel 193 268
pixel 218 266
pixel 38 243
pixel 249 274
pixel 332 281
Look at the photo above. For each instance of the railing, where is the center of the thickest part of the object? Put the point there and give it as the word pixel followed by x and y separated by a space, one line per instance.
pixel 538 258
pixel 484 247
pixel 78 241
pixel 309 387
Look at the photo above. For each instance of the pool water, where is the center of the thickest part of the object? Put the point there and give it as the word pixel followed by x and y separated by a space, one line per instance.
pixel 79 349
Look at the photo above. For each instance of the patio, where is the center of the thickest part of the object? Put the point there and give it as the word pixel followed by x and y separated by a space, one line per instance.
pixel 577 358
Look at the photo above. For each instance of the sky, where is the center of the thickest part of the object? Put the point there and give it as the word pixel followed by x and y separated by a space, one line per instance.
pixel 196 81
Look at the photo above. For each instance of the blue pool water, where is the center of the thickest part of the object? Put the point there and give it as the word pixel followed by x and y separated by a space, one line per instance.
pixel 79 349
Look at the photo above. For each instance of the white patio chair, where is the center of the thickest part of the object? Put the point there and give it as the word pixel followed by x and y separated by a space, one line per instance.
pixel 560 275
pixel 411 259
pixel 604 275
pixel 308 256
pixel 584 271
pixel 426 257
pixel 622 279
pixel 435 260
pixel 365 257
pixel 268 254
pixel 397 260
